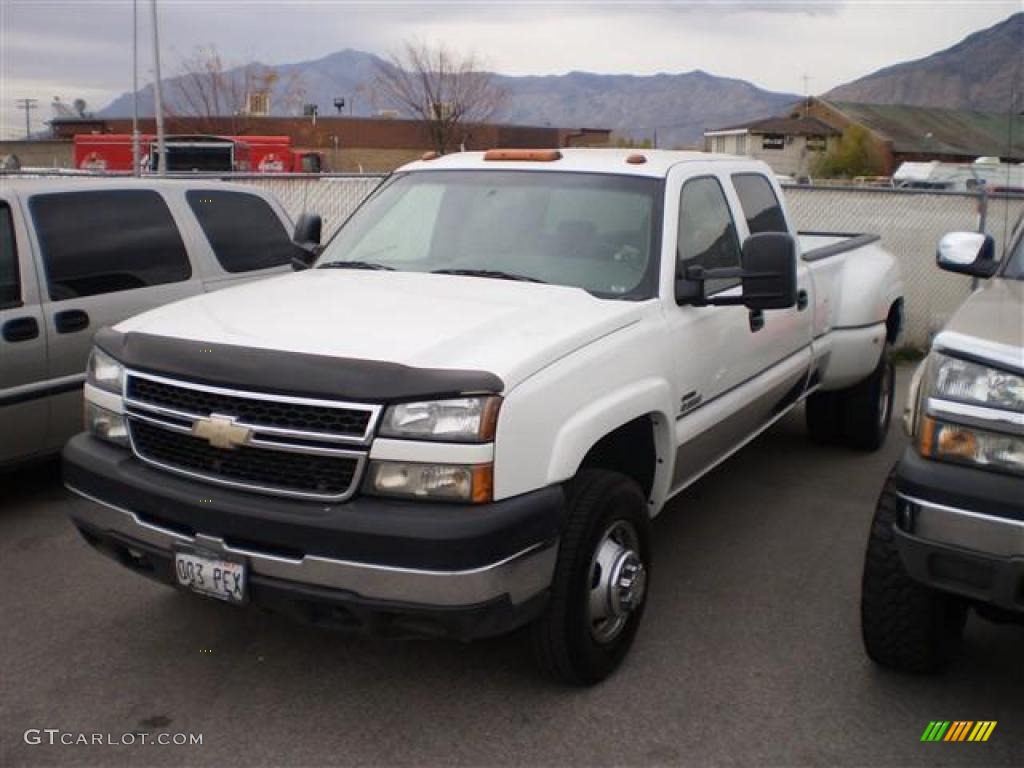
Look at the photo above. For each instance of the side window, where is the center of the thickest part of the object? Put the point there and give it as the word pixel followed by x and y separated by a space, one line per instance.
pixel 10 282
pixel 707 234
pixel 760 205
pixel 100 242
pixel 244 232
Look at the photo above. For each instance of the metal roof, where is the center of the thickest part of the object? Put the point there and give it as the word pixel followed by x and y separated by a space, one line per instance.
pixel 939 131
pixel 789 126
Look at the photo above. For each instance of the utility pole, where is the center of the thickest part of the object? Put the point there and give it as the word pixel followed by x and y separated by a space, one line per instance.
pixel 136 170
pixel 161 150
pixel 28 105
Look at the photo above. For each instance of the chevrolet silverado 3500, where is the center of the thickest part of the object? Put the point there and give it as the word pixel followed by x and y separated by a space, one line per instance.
pixel 463 418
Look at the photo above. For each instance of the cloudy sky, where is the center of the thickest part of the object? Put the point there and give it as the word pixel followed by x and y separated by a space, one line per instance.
pixel 82 48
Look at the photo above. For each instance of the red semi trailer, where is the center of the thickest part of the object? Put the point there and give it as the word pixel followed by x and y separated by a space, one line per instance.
pixel 225 154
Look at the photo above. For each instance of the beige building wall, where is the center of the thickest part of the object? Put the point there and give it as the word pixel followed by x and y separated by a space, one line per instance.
pixel 793 159
pixel 40 154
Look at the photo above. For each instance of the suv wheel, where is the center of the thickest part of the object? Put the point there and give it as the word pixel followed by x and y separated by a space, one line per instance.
pixel 905 625
pixel 600 584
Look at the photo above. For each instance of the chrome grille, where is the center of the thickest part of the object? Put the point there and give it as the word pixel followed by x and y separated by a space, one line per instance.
pixel 289 446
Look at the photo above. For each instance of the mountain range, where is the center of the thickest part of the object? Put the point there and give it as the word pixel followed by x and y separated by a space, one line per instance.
pixel 983 71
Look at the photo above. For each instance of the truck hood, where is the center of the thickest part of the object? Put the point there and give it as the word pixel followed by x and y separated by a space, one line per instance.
pixel 509 328
pixel 990 324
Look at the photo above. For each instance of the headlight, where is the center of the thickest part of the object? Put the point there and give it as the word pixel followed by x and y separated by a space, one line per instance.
pixel 971 445
pixel 430 481
pixel 968 382
pixel 463 420
pixel 105 372
pixel 105 424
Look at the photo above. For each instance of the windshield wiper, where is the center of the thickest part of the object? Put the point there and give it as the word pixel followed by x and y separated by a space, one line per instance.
pixel 497 273
pixel 355 265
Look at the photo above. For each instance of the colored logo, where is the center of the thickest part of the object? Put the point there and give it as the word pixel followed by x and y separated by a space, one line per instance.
pixel 958 730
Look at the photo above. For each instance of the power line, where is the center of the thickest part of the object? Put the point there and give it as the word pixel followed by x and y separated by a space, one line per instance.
pixel 28 105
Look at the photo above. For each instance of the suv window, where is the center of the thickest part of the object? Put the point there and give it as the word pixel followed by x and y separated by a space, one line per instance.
pixel 760 205
pixel 10 282
pixel 100 242
pixel 244 232
pixel 707 233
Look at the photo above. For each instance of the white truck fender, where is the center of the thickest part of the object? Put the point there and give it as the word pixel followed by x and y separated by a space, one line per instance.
pixel 587 426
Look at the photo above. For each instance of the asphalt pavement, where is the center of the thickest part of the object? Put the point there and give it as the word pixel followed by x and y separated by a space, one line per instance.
pixel 750 652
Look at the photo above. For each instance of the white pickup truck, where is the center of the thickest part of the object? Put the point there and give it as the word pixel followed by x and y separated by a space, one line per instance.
pixel 463 419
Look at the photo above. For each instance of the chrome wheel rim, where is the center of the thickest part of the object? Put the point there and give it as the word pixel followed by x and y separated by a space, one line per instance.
pixel 618 581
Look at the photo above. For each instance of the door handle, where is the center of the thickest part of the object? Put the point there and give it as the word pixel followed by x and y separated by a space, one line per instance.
pixel 20 329
pixel 756 320
pixel 801 300
pixel 71 321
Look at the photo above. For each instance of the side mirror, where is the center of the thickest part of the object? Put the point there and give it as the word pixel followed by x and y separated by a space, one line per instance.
pixel 768 276
pixel 967 253
pixel 308 230
pixel 769 271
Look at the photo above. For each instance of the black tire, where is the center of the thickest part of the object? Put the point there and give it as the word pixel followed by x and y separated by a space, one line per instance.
pixel 905 625
pixel 867 407
pixel 824 417
pixel 565 638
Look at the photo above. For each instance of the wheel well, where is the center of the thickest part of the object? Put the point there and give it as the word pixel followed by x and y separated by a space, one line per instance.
pixel 630 449
pixel 894 322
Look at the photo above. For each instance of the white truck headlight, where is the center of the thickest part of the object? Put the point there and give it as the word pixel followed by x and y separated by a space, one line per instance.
pixel 968 382
pixel 445 482
pixel 105 372
pixel 462 420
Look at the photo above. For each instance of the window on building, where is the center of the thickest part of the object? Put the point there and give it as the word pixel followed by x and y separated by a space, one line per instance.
pixel 760 206
pixel 741 144
pixel 707 233
pixel 10 282
pixel 773 141
pixel 244 232
pixel 99 242
pixel 719 143
pixel 816 143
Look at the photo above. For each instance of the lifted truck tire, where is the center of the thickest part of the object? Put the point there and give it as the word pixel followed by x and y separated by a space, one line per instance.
pixel 858 416
pixel 597 594
pixel 905 625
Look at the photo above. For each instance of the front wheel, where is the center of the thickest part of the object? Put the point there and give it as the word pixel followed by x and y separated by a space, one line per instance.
pixel 905 625
pixel 600 583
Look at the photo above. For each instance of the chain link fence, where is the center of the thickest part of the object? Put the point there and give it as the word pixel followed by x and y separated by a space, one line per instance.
pixel 910 223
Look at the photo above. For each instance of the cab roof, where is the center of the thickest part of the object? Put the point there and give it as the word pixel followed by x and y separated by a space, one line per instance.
pixel 657 162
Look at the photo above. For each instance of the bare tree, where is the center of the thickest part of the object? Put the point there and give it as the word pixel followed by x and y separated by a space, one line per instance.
pixel 209 91
pixel 447 91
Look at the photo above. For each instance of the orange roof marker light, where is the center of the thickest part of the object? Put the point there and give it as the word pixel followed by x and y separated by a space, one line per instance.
pixel 524 155
pixel 429 156
pixel 636 159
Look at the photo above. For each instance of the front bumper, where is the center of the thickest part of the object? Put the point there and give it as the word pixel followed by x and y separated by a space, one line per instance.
pixel 467 571
pixel 962 530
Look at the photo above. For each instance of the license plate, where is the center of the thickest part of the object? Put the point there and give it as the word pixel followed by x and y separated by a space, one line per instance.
pixel 209 575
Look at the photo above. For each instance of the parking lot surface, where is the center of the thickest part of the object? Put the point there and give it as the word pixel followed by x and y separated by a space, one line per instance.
pixel 750 652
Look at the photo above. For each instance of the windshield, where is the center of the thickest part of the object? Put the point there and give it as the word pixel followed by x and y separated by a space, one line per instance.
pixel 1015 266
pixel 592 231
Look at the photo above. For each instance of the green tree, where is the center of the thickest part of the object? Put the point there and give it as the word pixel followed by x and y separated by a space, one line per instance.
pixel 853 155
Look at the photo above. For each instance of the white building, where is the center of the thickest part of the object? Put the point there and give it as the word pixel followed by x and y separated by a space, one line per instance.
pixel 790 145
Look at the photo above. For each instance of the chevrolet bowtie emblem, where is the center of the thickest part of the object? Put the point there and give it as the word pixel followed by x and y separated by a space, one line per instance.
pixel 221 431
